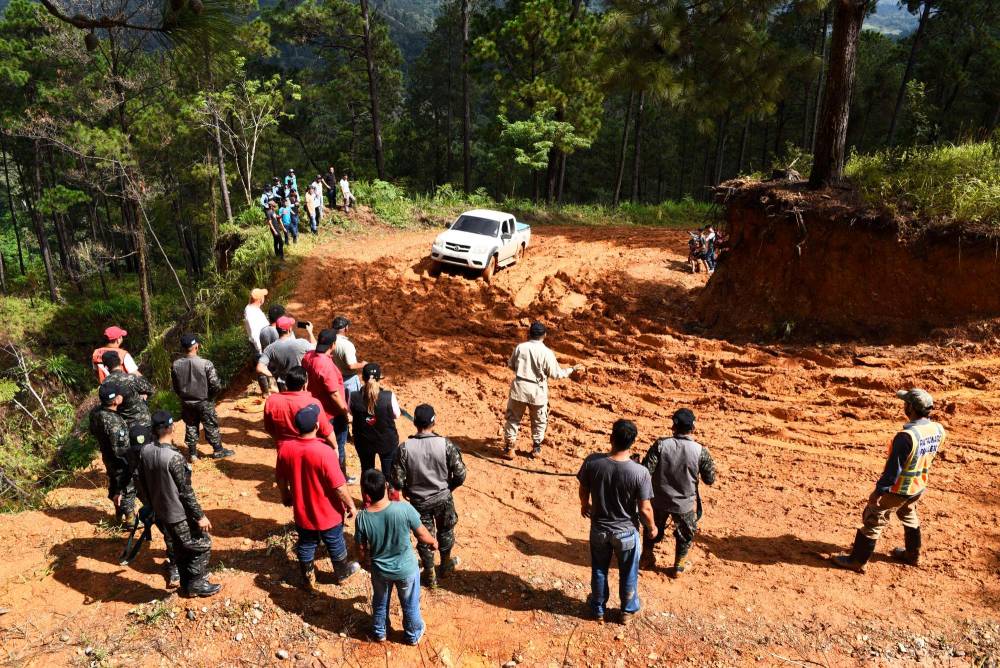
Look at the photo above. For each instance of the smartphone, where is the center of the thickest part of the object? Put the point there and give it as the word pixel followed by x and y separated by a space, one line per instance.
pixel 302 324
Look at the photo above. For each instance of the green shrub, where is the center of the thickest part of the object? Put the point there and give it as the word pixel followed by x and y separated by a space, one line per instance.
pixel 165 400
pixel 70 373
pixel 229 350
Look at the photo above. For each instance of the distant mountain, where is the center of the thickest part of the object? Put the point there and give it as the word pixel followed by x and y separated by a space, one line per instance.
pixel 891 19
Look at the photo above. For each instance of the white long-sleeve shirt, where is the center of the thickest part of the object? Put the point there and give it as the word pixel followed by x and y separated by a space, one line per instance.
pixel 254 320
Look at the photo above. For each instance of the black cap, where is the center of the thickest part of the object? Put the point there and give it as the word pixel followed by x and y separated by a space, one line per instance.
pixel 307 418
pixel 188 340
pixel 326 340
pixel 371 370
pixel 161 419
pixel 340 322
pixel 423 416
pixel 683 420
pixel 140 435
pixel 111 359
pixel 108 392
pixel 536 330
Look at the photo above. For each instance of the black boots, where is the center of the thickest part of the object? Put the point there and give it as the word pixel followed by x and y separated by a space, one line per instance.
pixel 344 569
pixel 429 572
pixel 307 570
pixel 201 589
pixel 862 551
pixel 909 555
pixel 448 564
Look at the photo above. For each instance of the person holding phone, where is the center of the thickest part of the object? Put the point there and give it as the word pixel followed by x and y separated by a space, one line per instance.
pixel 287 351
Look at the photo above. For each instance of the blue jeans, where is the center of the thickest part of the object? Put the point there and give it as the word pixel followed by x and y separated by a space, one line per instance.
pixel 341 430
pixel 312 221
pixel 292 229
pixel 333 538
pixel 627 548
pixel 409 599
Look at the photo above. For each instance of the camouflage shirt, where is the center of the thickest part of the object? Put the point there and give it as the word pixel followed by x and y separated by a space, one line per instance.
pixel 110 430
pixel 133 407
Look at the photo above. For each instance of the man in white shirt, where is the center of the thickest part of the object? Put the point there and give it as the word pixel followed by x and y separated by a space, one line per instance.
pixel 254 320
pixel 317 186
pixel 114 336
pixel 345 356
pixel 311 208
pixel 345 189
pixel 533 365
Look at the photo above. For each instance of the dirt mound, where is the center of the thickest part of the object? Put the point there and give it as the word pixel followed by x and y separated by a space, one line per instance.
pixel 799 435
pixel 803 264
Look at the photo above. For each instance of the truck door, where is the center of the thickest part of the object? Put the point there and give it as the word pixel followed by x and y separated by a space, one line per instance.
pixel 506 237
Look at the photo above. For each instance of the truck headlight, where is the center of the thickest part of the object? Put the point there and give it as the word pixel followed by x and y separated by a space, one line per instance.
pixel 481 249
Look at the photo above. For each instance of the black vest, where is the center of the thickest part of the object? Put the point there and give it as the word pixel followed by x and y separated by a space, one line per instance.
pixel 374 433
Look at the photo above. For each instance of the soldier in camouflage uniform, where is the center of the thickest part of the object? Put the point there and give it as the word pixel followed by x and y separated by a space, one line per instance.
pixel 165 479
pixel 134 389
pixel 138 437
pixel 111 432
pixel 675 465
pixel 196 383
pixel 427 469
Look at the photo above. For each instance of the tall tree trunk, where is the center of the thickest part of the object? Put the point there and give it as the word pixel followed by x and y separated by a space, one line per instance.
pixel 220 156
pixel 466 103
pixel 113 238
pixel 10 202
pixel 831 140
pixel 744 136
pixel 620 172
pixel 92 214
pixel 36 218
pixel 908 72
pixel 373 91
pixel 683 168
pixel 779 128
pixel 824 57
pixel 562 179
pixel 720 148
pixel 637 148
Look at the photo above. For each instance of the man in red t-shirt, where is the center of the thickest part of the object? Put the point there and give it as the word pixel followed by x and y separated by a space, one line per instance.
pixel 280 410
pixel 311 482
pixel 326 384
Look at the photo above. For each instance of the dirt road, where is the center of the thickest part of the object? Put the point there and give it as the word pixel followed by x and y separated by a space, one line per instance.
pixel 799 435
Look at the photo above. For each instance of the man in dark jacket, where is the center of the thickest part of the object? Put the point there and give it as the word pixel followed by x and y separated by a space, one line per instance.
pixel 675 465
pixel 166 481
pixel 427 469
pixel 111 432
pixel 197 383
pixel 139 436
pixel 135 390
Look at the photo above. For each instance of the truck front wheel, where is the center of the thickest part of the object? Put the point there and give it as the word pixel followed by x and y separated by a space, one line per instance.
pixel 490 270
pixel 520 253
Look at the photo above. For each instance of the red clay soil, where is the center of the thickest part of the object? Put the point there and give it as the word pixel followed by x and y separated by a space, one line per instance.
pixel 799 434
pixel 806 264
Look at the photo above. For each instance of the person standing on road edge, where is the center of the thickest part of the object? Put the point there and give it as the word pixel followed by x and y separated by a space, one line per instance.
pixel 345 193
pixel 317 185
pixel 326 384
pixel 382 536
pixel 345 356
pixel 255 321
pixel 675 465
pixel 110 431
pixel 312 484
pixel 615 494
pixel 427 469
pixel 196 383
pixel 114 336
pixel 533 364
pixel 277 231
pixel 166 480
pixel 901 486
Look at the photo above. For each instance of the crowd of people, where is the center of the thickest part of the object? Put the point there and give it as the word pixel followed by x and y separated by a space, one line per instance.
pixel 704 246
pixel 283 205
pixel 318 395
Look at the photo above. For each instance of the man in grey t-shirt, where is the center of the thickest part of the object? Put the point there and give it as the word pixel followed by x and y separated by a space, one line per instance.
pixel 286 352
pixel 615 494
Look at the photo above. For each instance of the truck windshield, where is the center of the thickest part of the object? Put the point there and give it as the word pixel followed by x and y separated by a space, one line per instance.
pixel 476 225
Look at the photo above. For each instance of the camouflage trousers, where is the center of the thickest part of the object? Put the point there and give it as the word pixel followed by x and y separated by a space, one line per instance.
pixel 440 520
pixel 120 483
pixel 201 413
pixel 191 549
pixel 685 527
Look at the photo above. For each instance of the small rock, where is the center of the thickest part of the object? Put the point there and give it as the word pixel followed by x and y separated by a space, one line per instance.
pixel 238 637
pixel 903 648
pixel 88 651
pixel 653 657
pixel 316 652
pixel 342 635
pixel 204 609
pixel 509 620
pixel 510 664
pixel 64 637
pixel 190 615
pixel 959 652
pixel 619 636
pixel 282 654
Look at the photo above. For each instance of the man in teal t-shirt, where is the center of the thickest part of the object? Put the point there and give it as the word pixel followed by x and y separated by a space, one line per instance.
pixel 382 534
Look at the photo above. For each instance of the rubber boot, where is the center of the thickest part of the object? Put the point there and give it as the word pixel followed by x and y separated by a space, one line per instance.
pixel 173 575
pixel 681 561
pixel 448 564
pixel 344 569
pixel 862 551
pixel 430 575
pixel 201 589
pixel 536 450
pixel 308 571
pixel 910 555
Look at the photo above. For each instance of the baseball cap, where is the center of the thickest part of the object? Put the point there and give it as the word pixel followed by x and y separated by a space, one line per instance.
pixel 340 322
pixel 161 419
pixel 258 293
pixel 114 332
pixel 285 323
pixel 326 340
pixel 307 418
pixel 537 329
pixel 683 420
pixel 111 359
pixel 917 398
pixel 371 370
pixel 423 416
pixel 188 339
pixel 108 392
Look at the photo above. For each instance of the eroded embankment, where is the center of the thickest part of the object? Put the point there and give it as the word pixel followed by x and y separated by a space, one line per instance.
pixel 800 262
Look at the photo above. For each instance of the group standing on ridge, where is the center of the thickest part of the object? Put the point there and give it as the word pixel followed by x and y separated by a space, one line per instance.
pixel 318 395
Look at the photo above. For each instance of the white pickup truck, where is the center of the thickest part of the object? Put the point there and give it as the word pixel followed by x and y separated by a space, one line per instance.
pixel 482 239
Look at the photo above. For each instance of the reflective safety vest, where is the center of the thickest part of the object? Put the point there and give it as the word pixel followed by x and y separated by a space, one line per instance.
pixel 102 371
pixel 927 438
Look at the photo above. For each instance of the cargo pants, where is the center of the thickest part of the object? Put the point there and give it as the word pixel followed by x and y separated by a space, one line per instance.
pixel 539 416
pixel 192 548
pixel 195 413
pixel 440 520
pixel 877 516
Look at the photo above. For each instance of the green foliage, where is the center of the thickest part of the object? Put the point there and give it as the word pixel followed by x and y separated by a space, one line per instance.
pixel 70 372
pixel 532 139
pixel 165 400
pixel 388 201
pixel 229 350
pixel 938 184
pixel 60 199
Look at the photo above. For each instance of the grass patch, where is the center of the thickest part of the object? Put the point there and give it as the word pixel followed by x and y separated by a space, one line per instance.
pixel 934 186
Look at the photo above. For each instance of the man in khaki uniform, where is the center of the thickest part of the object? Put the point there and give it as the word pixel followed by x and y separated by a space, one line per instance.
pixel 533 364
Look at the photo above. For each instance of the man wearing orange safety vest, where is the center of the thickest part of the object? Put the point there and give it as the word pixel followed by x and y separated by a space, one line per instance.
pixel 902 484
pixel 113 338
